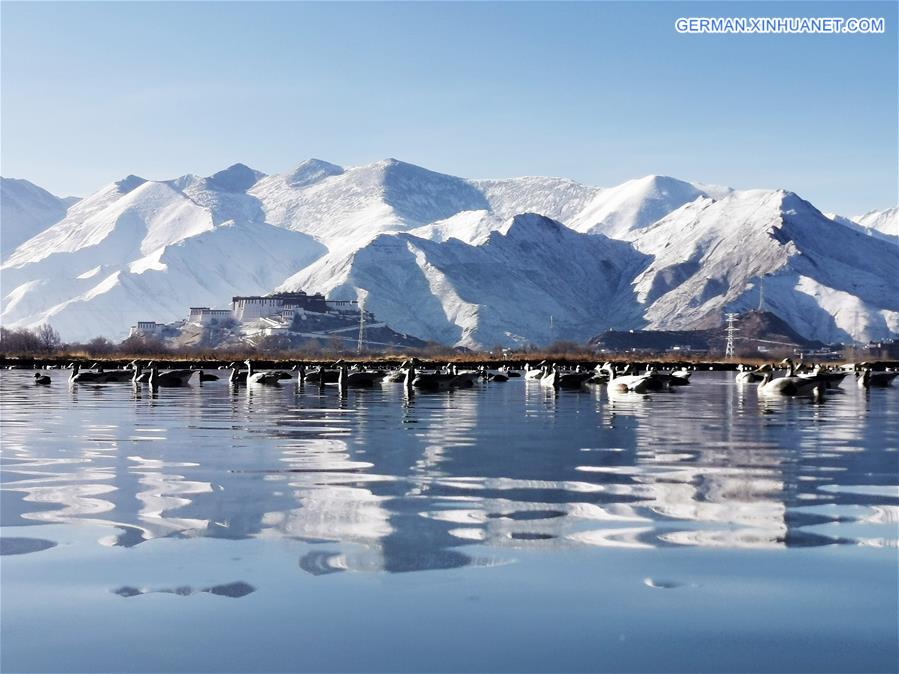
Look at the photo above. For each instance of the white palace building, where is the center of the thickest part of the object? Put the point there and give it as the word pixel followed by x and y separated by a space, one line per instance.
pixel 277 310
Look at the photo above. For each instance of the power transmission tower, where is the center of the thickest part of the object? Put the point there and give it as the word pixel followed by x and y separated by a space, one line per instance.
pixel 731 333
pixel 360 345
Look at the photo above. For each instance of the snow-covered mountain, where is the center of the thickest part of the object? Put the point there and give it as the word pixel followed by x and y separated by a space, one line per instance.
pixel 829 282
pixel 869 231
pixel 26 210
pixel 533 281
pixel 709 256
pixel 884 222
pixel 619 211
pixel 145 250
pixel 453 259
pixel 557 198
pixel 342 208
pixel 468 226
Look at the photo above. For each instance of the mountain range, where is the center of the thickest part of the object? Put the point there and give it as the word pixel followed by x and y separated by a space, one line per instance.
pixel 474 263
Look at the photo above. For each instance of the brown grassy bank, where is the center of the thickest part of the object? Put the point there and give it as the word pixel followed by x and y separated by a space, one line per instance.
pixel 217 359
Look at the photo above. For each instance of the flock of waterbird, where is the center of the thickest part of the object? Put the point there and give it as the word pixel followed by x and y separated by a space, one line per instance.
pixel 801 380
pixel 812 380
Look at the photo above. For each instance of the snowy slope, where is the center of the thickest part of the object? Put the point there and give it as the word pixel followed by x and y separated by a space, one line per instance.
pixel 827 281
pixel 144 250
pixel 26 210
pixel 869 231
pixel 461 286
pixel 620 211
pixel 884 222
pixel 344 208
pixel 557 198
pixel 536 282
pixel 469 226
pixel 224 194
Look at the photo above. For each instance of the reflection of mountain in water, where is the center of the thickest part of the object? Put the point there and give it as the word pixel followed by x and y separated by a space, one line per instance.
pixel 234 590
pixel 383 482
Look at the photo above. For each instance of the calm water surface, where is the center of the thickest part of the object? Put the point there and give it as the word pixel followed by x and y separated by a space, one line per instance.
pixel 502 528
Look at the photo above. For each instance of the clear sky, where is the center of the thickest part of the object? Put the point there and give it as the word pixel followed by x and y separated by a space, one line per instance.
pixel 598 92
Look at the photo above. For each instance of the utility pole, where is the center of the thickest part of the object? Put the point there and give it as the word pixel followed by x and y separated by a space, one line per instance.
pixel 762 293
pixel 360 345
pixel 731 333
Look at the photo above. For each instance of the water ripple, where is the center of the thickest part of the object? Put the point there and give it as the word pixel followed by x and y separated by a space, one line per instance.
pixel 402 483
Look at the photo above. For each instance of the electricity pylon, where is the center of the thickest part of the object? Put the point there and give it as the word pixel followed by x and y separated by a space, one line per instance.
pixel 731 332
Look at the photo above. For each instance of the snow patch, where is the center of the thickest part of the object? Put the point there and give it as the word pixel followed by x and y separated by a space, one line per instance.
pixel 90 273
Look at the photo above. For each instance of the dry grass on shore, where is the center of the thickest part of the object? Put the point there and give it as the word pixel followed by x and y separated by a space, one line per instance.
pixel 214 359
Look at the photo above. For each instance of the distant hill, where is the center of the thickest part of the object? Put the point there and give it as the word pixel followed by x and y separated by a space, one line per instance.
pixel 756 329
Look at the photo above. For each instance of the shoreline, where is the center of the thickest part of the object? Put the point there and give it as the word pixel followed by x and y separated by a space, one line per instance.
pixel 517 361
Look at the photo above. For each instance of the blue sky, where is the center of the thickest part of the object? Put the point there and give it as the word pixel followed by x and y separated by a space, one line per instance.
pixel 599 92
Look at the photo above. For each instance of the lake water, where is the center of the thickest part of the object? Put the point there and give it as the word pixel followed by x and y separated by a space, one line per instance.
pixel 501 528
